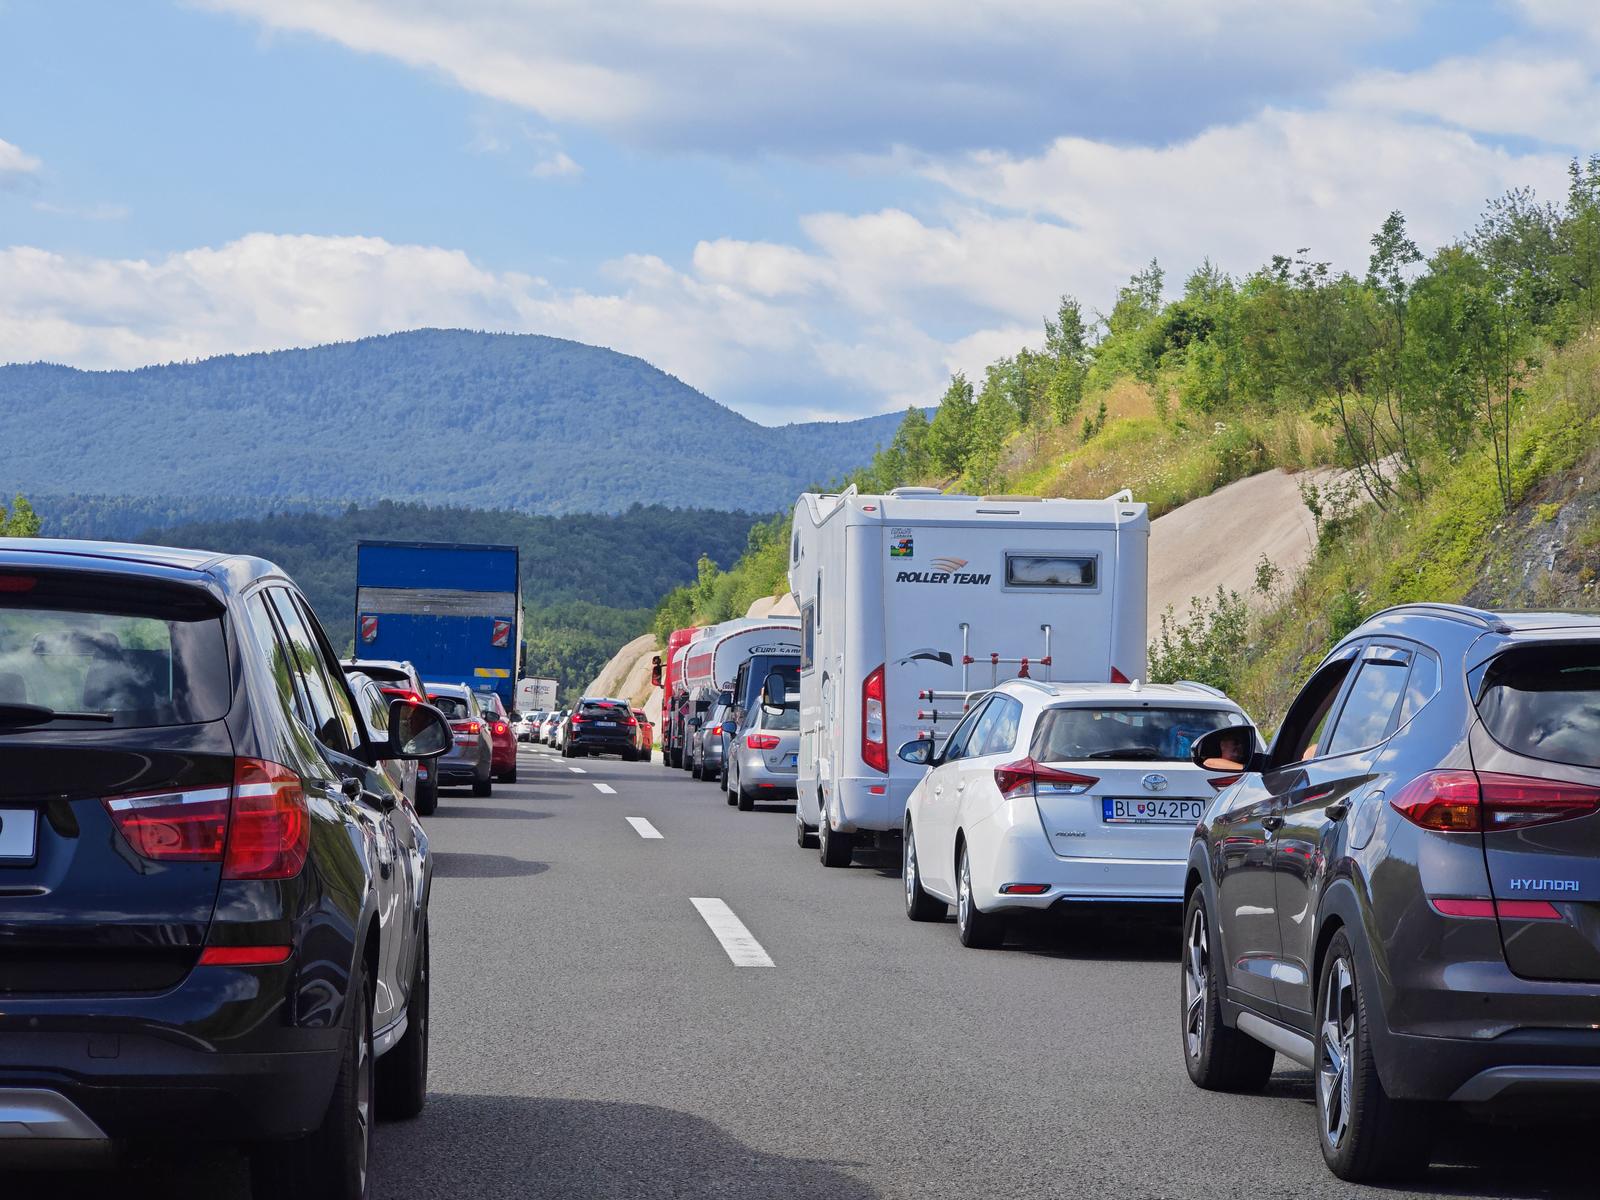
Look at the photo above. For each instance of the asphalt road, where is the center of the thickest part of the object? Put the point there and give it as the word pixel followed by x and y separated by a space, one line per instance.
pixel 592 1037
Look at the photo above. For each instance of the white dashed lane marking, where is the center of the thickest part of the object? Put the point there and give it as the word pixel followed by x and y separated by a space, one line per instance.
pixel 738 941
pixel 577 770
pixel 605 789
pixel 643 828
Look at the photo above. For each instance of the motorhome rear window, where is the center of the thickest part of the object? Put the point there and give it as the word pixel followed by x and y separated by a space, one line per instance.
pixel 1052 570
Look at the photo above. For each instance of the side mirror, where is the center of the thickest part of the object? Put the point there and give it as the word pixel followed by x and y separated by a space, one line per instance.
pixel 417 731
pixel 1231 749
pixel 695 722
pixel 655 670
pixel 918 751
pixel 774 693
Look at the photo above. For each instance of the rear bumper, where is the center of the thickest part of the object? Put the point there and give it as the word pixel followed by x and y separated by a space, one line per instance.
pixel 754 773
pixel 1010 848
pixel 1524 1066
pixel 854 805
pixel 602 743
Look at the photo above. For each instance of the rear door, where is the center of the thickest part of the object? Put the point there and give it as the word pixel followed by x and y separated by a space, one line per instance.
pixel 117 779
pixel 1537 752
pixel 935 830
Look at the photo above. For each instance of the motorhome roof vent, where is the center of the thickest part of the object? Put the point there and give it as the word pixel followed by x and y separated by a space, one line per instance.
pixel 916 491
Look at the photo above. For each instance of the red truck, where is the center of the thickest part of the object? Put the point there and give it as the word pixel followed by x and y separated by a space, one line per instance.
pixel 664 674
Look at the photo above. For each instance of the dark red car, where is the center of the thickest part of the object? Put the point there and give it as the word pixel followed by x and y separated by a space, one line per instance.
pixel 503 763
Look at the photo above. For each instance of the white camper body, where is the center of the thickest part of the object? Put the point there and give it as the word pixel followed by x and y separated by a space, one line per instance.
pixel 711 663
pixel 912 600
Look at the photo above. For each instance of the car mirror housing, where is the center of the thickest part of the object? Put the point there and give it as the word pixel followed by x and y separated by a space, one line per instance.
pixel 918 751
pixel 1231 748
pixel 774 692
pixel 416 731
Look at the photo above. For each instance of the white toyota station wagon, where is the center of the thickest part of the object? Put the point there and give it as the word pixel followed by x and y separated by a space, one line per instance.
pixel 1051 794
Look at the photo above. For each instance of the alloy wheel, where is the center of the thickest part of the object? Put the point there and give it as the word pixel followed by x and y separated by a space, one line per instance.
pixel 364 1071
pixel 1336 1052
pixel 909 870
pixel 964 893
pixel 1196 970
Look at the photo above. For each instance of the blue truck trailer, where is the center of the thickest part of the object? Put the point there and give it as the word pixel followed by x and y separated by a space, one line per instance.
pixel 453 610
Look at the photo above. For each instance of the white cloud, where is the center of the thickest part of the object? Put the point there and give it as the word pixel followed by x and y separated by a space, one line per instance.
pixel 837 76
pixel 557 165
pixel 15 164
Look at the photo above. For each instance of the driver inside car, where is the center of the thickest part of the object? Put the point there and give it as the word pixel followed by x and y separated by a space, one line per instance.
pixel 1233 751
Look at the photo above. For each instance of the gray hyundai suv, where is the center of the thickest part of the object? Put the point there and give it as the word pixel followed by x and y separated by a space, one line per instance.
pixel 1403 893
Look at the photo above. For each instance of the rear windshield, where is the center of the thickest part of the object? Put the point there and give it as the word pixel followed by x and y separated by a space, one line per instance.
pixel 106 665
pixel 605 710
pixel 453 707
pixel 1142 734
pixel 1545 702
pixel 788 717
pixel 381 673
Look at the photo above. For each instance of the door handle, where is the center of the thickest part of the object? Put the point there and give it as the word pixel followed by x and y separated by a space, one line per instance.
pixel 938 791
pixel 961 787
pixel 1272 823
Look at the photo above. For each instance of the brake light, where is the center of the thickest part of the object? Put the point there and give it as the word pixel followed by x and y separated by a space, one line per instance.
pixel 271 828
pixel 874 726
pixel 761 741
pixel 243 956
pixel 1222 782
pixel 395 693
pixel 471 727
pixel 1465 802
pixel 500 728
pixel 18 583
pixel 176 825
pixel 631 723
pixel 1015 778
pixel 576 719
pixel 1118 677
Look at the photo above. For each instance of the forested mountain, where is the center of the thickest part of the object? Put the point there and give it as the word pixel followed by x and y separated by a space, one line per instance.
pixel 437 416
pixel 588 581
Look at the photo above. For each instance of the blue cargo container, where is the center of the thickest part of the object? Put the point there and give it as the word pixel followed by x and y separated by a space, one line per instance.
pixel 453 610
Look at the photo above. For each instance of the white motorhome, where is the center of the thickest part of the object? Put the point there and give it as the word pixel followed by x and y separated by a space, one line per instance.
pixel 911 601
pixel 712 661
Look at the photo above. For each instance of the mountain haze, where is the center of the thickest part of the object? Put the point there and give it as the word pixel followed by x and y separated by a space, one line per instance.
pixel 435 416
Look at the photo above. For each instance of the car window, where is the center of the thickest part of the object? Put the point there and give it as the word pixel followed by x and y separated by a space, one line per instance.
pixel 1154 734
pixel 325 722
pixel 377 712
pixel 271 645
pixel 787 717
pixel 1421 686
pixel 997 732
pixel 455 708
pixel 956 747
pixel 329 665
pixel 1368 714
pixel 1544 702
pixel 1300 736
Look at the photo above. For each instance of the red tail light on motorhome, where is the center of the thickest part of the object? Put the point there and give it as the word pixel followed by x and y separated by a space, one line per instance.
pixel 1469 802
pixel 258 828
pixel 1024 775
pixel 1118 677
pixel 874 722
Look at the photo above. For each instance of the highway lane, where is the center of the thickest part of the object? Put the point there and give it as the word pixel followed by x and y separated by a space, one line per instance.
pixel 594 1037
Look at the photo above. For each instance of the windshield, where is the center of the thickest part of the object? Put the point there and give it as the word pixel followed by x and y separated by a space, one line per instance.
pixel 453 707
pixel 119 669
pixel 1141 734
pixel 1545 703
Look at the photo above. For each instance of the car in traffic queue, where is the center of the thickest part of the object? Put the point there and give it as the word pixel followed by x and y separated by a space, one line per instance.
pixel 1403 894
pixel 763 760
pixel 470 761
pixel 601 725
pixel 525 724
pixel 400 680
pixel 1051 795
pixel 372 707
pixel 213 897
pixel 503 743
pixel 556 728
pixel 645 737
pixel 706 741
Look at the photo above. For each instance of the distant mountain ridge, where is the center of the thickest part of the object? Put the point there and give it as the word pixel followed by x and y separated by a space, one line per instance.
pixel 434 416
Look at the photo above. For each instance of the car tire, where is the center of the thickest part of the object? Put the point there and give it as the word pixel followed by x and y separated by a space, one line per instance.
pixel 402 1087
pixel 330 1162
pixel 1365 1136
pixel 804 836
pixel 507 776
pixel 834 848
pixel 428 798
pixel 722 774
pixel 746 799
pixel 483 787
pixel 978 930
pixel 1217 1058
pixel 697 769
pixel 919 905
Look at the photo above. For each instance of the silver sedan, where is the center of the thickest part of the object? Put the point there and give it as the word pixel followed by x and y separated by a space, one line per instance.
pixel 764 758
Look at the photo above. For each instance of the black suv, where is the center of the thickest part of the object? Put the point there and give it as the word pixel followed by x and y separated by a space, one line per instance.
pixel 1403 894
pixel 600 725
pixel 213 901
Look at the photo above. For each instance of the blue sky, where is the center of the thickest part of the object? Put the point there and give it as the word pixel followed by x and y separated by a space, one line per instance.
pixel 810 208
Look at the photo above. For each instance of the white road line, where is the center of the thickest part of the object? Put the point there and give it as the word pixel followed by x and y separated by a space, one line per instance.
pixel 643 828
pixel 605 789
pixel 577 770
pixel 738 941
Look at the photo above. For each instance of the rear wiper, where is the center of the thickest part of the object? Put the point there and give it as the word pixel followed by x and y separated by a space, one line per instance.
pixel 1143 752
pixel 18 716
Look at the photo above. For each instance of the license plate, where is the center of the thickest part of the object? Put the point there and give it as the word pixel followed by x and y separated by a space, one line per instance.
pixel 791 760
pixel 606 724
pixel 18 828
pixel 1150 812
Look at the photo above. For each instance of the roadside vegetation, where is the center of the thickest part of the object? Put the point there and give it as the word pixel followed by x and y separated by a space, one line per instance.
pixel 20 521
pixel 1449 384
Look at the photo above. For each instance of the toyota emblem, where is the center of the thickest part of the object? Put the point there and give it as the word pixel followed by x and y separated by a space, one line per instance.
pixel 1154 783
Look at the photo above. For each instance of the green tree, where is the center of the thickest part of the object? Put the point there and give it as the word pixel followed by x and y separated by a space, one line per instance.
pixel 22 521
pixel 950 432
pixel 1068 353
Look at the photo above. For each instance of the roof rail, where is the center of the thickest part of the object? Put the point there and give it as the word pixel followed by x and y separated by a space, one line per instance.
pixel 1047 688
pixel 1204 687
pixel 1453 612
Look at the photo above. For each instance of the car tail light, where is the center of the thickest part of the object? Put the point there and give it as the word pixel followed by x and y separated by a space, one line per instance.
pixel 1222 782
pixel 465 726
pixel 501 728
pixel 271 828
pixel 632 723
pixel 395 693
pixel 874 727
pixel 257 829
pixel 761 741
pixel 1024 889
pixel 18 583
pixel 577 720
pixel 1015 778
pixel 176 825
pixel 1118 677
pixel 1513 910
pixel 244 956
pixel 1465 802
